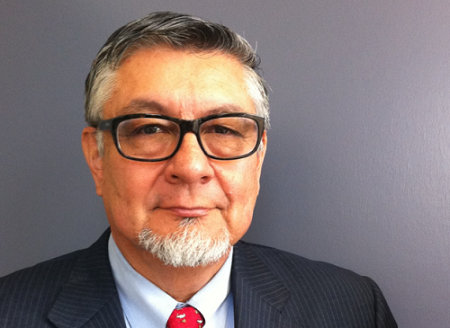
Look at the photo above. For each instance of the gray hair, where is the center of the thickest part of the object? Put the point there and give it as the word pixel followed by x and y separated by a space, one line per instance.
pixel 188 246
pixel 178 31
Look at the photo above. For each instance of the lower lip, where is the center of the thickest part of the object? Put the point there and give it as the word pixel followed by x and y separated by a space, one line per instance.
pixel 189 212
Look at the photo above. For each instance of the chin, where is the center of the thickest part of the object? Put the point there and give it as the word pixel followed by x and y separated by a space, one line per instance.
pixel 188 246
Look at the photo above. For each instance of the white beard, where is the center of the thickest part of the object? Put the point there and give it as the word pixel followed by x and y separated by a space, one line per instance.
pixel 188 246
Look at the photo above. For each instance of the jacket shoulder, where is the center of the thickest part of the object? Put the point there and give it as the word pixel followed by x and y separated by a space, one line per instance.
pixel 28 295
pixel 288 266
pixel 318 291
pixel 34 288
pixel 47 272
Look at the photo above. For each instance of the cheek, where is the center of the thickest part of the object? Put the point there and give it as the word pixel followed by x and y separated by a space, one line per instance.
pixel 129 179
pixel 246 183
pixel 242 190
pixel 126 191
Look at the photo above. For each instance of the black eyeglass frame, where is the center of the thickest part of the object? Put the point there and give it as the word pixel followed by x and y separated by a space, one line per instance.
pixel 185 127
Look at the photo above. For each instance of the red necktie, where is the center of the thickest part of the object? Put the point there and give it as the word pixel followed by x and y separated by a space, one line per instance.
pixel 186 317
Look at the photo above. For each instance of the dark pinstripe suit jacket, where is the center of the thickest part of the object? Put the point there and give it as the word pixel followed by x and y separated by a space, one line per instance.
pixel 270 289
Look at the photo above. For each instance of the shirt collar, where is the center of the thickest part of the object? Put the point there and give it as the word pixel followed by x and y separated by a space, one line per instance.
pixel 146 304
pixel 213 294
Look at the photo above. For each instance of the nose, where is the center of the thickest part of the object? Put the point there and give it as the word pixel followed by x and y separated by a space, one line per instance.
pixel 190 164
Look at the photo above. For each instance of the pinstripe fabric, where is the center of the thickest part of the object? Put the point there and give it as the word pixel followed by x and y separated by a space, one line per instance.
pixel 277 289
pixel 75 290
pixel 270 289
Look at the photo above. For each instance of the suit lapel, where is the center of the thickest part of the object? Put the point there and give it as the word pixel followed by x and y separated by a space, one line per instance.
pixel 259 296
pixel 89 298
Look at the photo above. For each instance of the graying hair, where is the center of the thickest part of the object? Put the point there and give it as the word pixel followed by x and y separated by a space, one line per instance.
pixel 178 31
pixel 188 246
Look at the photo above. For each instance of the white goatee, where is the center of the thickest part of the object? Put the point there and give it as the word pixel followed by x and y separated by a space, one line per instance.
pixel 188 246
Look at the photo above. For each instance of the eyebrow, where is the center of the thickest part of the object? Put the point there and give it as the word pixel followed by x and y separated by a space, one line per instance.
pixel 137 106
pixel 142 105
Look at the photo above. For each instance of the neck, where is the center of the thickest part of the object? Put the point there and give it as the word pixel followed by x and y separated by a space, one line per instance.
pixel 181 283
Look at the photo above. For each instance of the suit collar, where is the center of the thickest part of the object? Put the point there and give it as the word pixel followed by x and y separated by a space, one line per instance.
pixel 259 296
pixel 89 298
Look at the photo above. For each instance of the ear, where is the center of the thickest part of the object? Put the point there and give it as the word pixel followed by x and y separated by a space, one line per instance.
pixel 261 153
pixel 93 158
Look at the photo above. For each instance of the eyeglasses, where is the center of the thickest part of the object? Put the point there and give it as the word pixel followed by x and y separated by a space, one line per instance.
pixel 153 138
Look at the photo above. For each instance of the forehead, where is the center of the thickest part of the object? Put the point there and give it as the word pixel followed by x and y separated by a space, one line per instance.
pixel 182 83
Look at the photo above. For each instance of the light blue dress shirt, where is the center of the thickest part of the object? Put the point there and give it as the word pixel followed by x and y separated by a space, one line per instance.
pixel 146 305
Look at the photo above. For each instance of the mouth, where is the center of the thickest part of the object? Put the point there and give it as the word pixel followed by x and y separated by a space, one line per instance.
pixel 188 212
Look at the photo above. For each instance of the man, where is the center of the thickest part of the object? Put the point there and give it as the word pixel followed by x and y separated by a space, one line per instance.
pixel 177 116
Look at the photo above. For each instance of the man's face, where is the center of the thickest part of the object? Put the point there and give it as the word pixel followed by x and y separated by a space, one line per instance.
pixel 159 195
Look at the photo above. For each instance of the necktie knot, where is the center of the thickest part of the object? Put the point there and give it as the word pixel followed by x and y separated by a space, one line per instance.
pixel 186 317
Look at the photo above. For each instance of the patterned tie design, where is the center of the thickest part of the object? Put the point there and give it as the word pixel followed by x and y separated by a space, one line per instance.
pixel 186 317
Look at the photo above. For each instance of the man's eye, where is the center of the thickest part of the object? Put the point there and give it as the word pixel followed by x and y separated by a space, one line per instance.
pixel 220 129
pixel 147 129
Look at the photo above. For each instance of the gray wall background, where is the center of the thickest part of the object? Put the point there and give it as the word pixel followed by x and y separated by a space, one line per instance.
pixel 357 171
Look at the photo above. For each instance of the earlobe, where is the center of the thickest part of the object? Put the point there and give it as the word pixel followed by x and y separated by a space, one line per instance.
pixel 92 156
